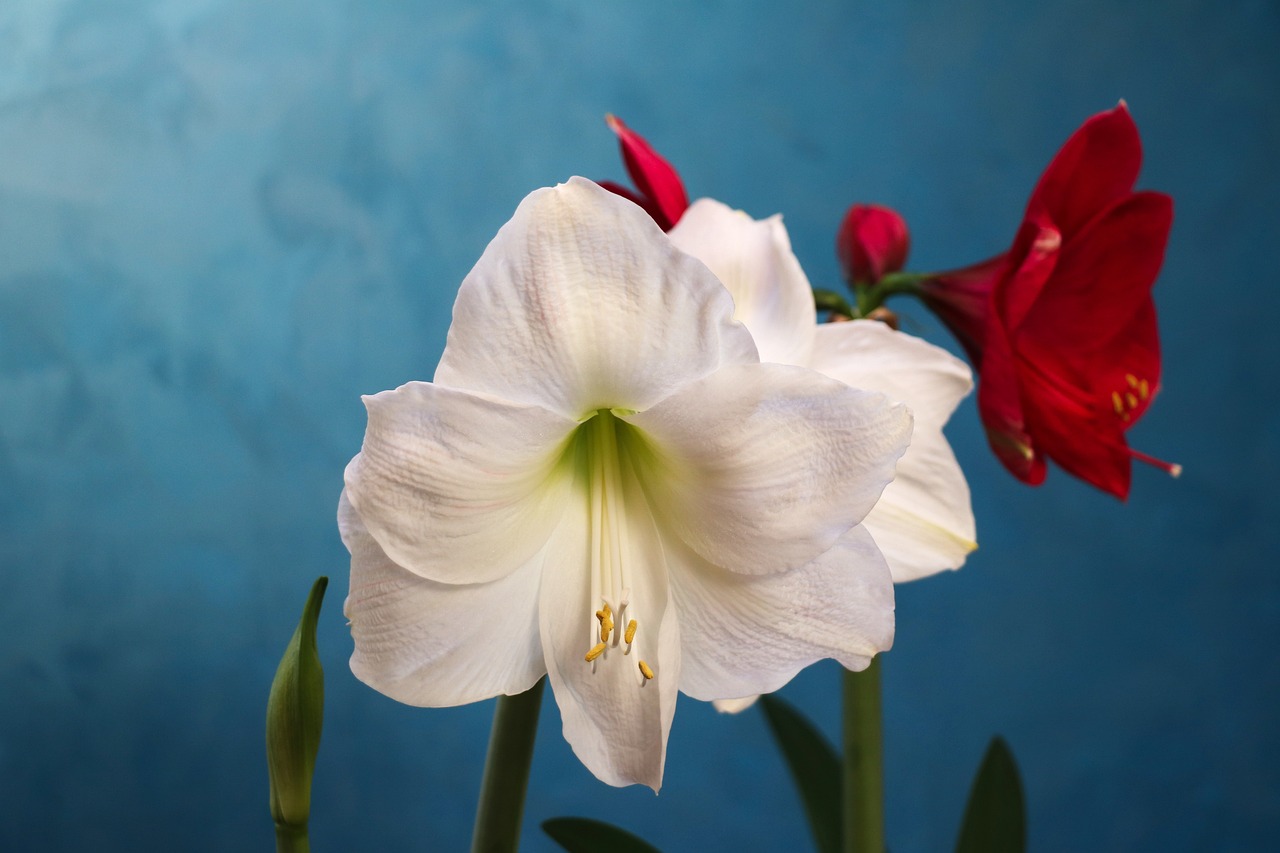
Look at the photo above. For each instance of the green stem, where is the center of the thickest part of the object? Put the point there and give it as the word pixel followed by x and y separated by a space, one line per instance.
pixel 506 772
pixel 292 839
pixel 872 296
pixel 863 762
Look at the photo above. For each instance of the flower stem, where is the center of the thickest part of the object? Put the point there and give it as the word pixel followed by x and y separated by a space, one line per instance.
pixel 863 762
pixel 291 838
pixel 506 772
pixel 870 297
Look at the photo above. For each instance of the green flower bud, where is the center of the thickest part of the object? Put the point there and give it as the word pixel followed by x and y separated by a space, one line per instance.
pixel 295 710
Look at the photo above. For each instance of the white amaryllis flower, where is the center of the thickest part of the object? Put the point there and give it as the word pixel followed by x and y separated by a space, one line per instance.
pixel 605 485
pixel 924 521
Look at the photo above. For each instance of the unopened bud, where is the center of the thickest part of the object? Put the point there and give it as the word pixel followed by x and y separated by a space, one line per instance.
pixel 295 710
pixel 872 242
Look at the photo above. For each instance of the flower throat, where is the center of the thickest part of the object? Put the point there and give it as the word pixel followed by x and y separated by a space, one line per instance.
pixel 603 444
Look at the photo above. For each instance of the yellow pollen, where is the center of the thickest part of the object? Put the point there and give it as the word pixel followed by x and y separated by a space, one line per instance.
pixel 1131 400
pixel 1117 403
pixel 605 628
pixel 1131 379
pixel 1144 389
pixel 596 651
pixel 631 632
pixel 645 671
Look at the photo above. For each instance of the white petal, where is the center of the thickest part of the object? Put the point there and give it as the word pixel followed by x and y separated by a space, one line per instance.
pixel 761 468
pixel 753 259
pixel 735 706
pixel 433 644
pixel 924 521
pixel 745 635
pixel 457 487
pixel 615 720
pixel 581 303
pixel 868 354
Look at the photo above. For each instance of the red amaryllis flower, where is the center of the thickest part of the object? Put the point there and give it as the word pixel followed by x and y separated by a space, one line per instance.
pixel 872 241
pixel 659 189
pixel 1062 328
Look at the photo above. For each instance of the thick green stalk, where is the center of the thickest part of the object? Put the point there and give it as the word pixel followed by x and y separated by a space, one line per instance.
pixel 863 762
pixel 506 772
pixel 292 839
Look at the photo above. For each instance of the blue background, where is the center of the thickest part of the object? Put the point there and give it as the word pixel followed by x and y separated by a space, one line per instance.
pixel 221 221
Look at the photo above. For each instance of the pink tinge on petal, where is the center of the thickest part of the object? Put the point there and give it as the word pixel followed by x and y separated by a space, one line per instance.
pixel 872 241
pixel 658 182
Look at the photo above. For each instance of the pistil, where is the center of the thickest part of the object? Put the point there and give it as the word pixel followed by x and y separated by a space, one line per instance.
pixel 609 546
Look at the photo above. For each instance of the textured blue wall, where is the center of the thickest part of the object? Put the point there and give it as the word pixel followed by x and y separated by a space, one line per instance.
pixel 221 221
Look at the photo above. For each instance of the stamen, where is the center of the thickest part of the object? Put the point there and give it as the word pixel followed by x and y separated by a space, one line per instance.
pixel 606 627
pixel 1116 402
pixel 1144 389
pixel 596 651
pixel 1131 379
pixel 1131 400
pixel 631 632
pixel 645 671
pixel 1173 469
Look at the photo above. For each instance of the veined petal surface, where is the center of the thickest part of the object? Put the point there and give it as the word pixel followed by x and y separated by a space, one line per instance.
pixel 753 259
pixel 432 644
pixel 761 468
pixel 745 635
pixel 924 520
pixel 458 487
pixel 581 303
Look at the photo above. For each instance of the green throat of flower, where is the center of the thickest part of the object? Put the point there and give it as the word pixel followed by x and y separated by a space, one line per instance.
pixel 605 452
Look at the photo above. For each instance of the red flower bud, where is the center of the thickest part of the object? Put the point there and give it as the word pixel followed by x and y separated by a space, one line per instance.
pixel 872 241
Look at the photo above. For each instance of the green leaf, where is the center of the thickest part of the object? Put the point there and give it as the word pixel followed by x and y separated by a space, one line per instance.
pixel 583 835
pixel 815 767
pixel 995 820
pixel 295 712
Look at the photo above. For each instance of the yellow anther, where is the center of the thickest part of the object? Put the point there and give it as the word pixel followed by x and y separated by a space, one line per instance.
pixel 1131 400
pixel 645 671
pixel 1144 389
pixel 631 632
pixel 600 616
pixel 1131 379
pixel 1117 403
pixel 596 651
pixel 605 628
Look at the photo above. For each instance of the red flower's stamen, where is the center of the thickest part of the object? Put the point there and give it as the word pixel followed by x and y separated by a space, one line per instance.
pixel 1172 468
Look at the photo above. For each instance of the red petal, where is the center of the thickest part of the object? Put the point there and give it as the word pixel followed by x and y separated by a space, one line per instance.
pixel 647 204
pixel 1087 442
pixel 962 300
pixel 1096 166
pixel 872 241
pixel 653 175
pixel 1000 406
pixel 1035 250
pixel 1129 378
pixel 1102 281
